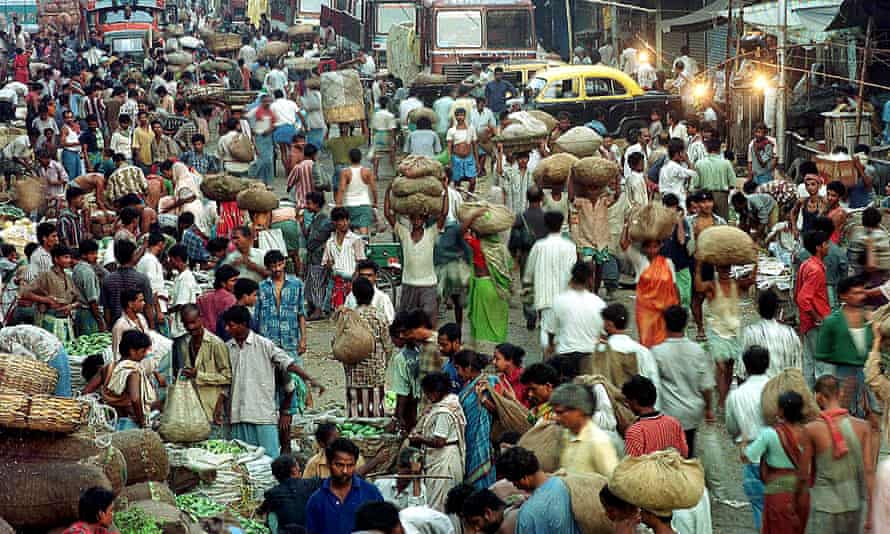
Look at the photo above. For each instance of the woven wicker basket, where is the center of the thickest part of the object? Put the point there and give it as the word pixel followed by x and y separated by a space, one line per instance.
pixel 42 413
pixel 206 92
pixel 370 446
pixel 344 113
pixel 223 42
pixel 520 144
pixel 239 98
pixel 27 375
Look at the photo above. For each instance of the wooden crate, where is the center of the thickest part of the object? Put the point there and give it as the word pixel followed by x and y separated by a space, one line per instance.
pixel 840 130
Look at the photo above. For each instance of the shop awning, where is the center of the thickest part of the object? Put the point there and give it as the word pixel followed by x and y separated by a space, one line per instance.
pixel 705 18
pixel 855 14
pixel 806 18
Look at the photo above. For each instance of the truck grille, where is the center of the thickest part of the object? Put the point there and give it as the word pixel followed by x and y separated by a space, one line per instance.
pixel 455 73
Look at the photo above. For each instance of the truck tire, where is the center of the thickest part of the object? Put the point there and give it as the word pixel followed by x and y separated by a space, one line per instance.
pixel 632 124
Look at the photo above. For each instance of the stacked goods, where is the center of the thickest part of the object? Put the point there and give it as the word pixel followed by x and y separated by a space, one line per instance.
pixel 238 98
pixel 75 450
pixel 242 149
pixel 27 375
pixel 219 43
pixel 588 510
pixel 652 221
pixel 145 455
pixel 274 49
pixel 353 340
pixel 787 380
pixel 233 477
pixel 29 194
pixel 495 219
pixel 303 64
pixel 302 32
pixel 179 58
pixel 838 167
pixel 545 439
pixel 257 198
pixel 205 93
pixel 46 494
pixel 580 141
pixel 417 196
pixel 190 42
pixel 725 245
pixel 423 112
pixel 594 171
pixel 222 187
pixel 554 170
pixel 419 167
pixel 660 482
pixel 43 413
pixel 523 133
pixel 342 96
pixel 425 78
pixel 549 120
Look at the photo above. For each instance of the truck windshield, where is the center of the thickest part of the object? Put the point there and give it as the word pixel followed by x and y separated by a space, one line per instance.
pixel 390 15
pixel 310 6
pixel 119 15
pixel 459 29
pixel 508 29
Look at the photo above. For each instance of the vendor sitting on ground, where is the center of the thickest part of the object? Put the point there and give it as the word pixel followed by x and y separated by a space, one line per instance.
pixel 317 465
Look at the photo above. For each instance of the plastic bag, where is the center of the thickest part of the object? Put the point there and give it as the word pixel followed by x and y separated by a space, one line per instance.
pixel 183 420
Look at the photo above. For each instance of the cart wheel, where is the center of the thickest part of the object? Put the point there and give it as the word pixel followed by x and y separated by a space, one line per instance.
pixel 388 283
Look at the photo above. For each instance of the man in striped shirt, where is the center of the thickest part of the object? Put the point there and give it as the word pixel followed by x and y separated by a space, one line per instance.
pixel 782 342
pixel 653 431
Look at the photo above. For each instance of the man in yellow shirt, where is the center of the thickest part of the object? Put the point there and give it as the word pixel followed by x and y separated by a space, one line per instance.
pixel 142 138
pixel 317 466
pixel 587 449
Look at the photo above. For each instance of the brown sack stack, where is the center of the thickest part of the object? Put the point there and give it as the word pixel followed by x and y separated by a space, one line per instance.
pixel 145 455
pixel 725 245
pixel 414 166
pixel 417 196
pixel 353 341
pixel 660 482
pixel 495 219
pixel 554 170
pixel 652 221
pixel 787 380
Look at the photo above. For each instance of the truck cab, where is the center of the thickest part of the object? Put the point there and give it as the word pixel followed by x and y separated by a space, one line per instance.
pixel 123 26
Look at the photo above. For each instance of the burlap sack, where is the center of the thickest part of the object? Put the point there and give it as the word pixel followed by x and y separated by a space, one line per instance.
pixel 548 119
pixel 144 491
pixel 652 221
pixel 623 414
pixel 510 415
pixel 353 340
pixel 594 171
pixel 242 149
pixel 29 194
pixel 882 316
pixel 179 58
pixel 660 482
pixel 183 419
pixel 423 112
pixel 414 166
pixel 588 511
pixel 725 245
pixel 222 187
pixel 144 453
pixel 5 528
pixel 497 217
pixel 430 186
pixel 46 494
pixel 274 49
pixel 430 79
pixel 257 199
pixel 787 380
pixel 580 141
pixel 546 439
pixel 616 367
pixel 75 449
pixel 342 96
pixel 416 204
pixel 301 31
pixel 171 519
pixel 554 170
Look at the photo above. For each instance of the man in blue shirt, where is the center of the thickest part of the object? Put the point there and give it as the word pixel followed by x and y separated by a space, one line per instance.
pixel 449 345
pixel 332 508
pixel 496 92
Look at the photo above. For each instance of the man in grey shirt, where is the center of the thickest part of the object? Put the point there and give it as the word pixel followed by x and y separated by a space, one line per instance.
pixel 687 376
pixel 423 141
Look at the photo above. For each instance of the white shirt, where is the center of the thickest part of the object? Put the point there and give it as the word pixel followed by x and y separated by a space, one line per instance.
pixel 674 178
pixel 637 147
pixel 151 267
pixel 646 76
pixel 454 202
pixel 628 61
pixel 122 143
pixel 8 94
pixel 381 301
pixel 696 151
pixel 549 266
pixel 344 256
pixel 286 110
pixel 744 413
pixel 384 120
pixel 678 131
pixel 636 190
pixel 388 488
pixel 690 65
pixel 418 270
pixel 646 363
pixel 185 291
pixel 275 80
pixel 368 68
pixel 407 106
pixel 576 322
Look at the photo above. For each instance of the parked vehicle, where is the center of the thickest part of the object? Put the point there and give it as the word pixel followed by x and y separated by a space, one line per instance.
pixel 365 24
pixel 519 73
pixel 24 10
pixel 582 89
pixel 126 27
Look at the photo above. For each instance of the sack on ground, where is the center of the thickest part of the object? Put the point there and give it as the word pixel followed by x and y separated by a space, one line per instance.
pixel 580 141
pixel 429 186
pixel 257 198
pixel 787 380
pixel 144 491
pixel 353 340
pixel 222 187
pixel 660 482
pixel 594 171
pixel 414 166
pixel 511 416
pixel 725 245
pixel 496 218
pixel 241 148
pixel 27 375
pixel 144 453
pixel 545 439
pixel 652 221
pixel 554 170
pixel 183 419
pixel 417 204
pixel 342 96
pixel 588 510
pixel 29 194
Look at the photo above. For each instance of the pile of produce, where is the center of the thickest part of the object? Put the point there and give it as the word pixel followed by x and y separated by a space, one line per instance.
pixel 222 446
pixel 418 189
pixel 89 344
pixel 357 430
pixel 11 213
pixel 342 96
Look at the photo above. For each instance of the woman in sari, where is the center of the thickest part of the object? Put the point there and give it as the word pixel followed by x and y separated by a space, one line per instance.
pixel 656 288
pixel 786 502
pixel 489 293
pixel 478 408
pixel 440 431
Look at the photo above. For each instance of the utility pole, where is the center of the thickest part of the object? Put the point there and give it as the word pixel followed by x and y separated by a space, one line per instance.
pixel 782 7
pixel 658 37
pixel 866 55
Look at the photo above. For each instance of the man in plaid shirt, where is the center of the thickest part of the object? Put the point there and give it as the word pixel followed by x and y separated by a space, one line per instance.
pixel 193 239
pixel 197 159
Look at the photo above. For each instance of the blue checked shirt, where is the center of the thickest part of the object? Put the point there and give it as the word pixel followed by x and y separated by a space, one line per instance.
pixel 194 246
pixel 201 162
pixel 281 323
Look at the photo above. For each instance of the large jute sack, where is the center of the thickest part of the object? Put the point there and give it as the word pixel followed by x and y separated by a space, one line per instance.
pixel 222 187
pixel 624 416
pixel 554 170
pixel 168 517
pixel 548 119
pixel 510 415
pixel 29 194
pixel 652 221
pixel 882 317
pixel 415 166
pixel 497 218
pixel 27 375
pixel 179 58
pixel 241 148
pixel 45 494
pixel 42 448
pixel 274 49
pixel 257 199
pixel 725 245
pixel 430 186
pixel 594 171
pixel 546 440
pixel 417 204
pixel 144 491
pixel 302 31
pixel 144 453
pixel 787 380
pixel 353 340
pixel 342 96
pixel 580 141
pixel 660 482
pixel 588 511
pixel 420 113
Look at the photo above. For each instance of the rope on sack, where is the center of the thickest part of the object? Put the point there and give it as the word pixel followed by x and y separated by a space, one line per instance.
pixel 102 418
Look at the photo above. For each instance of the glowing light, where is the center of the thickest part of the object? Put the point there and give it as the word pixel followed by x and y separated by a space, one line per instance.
pixel 761 82
pixel 644 57
pixel 700 90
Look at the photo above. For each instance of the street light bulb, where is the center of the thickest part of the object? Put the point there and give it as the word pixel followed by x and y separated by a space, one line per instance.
pixel 644 57
pixel 761 82
pixel 700 90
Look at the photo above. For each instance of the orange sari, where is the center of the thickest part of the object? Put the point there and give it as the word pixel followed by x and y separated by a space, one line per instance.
pixel 656 292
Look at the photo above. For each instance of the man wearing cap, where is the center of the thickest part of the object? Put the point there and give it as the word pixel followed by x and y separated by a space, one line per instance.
pixel 477 81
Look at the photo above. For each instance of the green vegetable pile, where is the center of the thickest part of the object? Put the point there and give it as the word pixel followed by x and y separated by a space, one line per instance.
pixel 252 526
pixel 199 507
pixel 135 521
pixel 358 430
pixel 88 345
pixel 222 446
pixel 12 212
